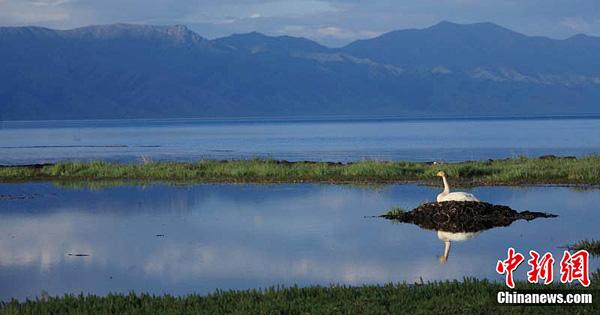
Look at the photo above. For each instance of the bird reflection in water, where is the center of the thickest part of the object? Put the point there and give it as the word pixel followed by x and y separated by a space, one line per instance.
pixel 460 220
pixel 449 237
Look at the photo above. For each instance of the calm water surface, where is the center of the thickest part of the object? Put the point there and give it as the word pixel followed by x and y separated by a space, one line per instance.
pixel 336 140
pixel 249 236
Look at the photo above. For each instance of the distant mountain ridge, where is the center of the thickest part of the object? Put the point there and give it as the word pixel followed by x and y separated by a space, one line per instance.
pixel 144 71
pixel 256 42
pixel 176 34
pixel 467 47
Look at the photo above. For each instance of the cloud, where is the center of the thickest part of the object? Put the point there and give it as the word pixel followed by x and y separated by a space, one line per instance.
pixel 335 32
pixel 45 13
pixel 215 12
pixel 577 24
pixel 295 8
pixel 58 14
pixel 41 17
pixel 49 3
pixel 292 28
pixel 367 33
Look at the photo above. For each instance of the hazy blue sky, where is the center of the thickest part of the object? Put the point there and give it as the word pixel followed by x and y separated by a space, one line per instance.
pixel 332 23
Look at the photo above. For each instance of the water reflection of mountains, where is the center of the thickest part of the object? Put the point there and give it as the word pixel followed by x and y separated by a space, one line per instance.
pixel 462 220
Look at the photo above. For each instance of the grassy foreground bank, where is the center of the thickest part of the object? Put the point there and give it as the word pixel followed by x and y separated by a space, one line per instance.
pixel 450 297
pixel 584 170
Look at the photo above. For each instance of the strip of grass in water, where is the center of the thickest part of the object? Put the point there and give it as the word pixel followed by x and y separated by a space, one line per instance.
pixel 449 297
pixel 395 211
pixel 522 170
pixel 593 247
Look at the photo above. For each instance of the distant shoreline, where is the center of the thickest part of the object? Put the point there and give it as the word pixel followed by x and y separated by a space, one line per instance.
pixel 324 118
pixel 544 170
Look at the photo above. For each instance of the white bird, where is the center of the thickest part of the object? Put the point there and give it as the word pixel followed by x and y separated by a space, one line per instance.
pixel 446 195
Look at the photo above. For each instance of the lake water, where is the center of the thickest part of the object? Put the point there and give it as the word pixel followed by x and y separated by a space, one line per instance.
pixel 162 238
pixel 336 140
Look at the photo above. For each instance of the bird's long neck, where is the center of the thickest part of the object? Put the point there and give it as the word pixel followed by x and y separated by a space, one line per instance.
pixel 446 187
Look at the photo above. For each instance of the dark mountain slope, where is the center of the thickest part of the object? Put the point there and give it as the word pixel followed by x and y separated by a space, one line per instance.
pixel 138 71
pixel 256 42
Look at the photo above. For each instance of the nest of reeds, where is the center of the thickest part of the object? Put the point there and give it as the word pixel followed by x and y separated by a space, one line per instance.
pixel 463 216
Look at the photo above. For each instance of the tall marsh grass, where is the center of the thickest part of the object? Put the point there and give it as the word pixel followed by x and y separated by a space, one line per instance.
pixel 470 296
pixel 584 170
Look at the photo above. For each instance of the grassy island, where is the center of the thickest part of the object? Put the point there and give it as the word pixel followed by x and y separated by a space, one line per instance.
pixel 450 297
pixel 522 170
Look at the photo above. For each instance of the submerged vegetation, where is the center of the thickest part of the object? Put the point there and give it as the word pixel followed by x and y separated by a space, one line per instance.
pixel 584 170
pixel 468 296
pixel 593 246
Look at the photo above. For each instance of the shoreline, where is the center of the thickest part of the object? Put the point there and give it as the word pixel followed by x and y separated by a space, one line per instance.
pixel 466 185
pixel 588 115
pixel 546 170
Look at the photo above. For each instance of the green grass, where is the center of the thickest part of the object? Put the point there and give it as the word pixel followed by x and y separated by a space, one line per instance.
pixel 584 170
pixel 593 247
pixel 449 297
pixel 395 211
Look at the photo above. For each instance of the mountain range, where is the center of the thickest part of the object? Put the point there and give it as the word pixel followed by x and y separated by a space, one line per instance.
pixel 144 71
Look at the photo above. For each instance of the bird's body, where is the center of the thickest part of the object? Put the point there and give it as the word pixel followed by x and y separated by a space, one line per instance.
pixel 446 195
pixel 456 196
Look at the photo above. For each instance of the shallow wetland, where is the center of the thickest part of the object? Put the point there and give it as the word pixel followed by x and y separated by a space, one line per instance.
pixel 161 238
